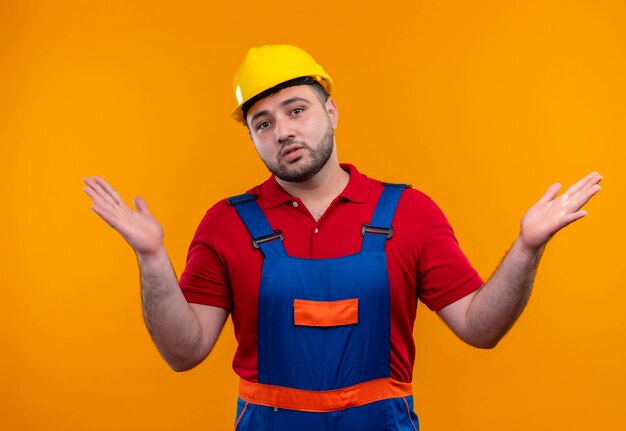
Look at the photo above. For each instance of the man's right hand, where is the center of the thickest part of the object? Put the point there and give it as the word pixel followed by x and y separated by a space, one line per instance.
pixel 140 229
pixel 184 333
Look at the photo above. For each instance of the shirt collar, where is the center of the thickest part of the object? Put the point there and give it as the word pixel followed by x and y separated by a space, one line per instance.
pixel 273 195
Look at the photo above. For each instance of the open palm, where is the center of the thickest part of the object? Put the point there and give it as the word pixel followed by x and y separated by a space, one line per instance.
pixel 140 229
pixel 552 214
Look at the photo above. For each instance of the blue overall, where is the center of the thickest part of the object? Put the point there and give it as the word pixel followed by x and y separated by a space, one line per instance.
pixel 324 358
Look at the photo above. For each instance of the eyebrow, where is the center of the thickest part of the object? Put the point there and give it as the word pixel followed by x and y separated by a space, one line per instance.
pixel 283 103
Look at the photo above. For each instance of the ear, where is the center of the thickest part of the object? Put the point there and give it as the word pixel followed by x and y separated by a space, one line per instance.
pixel 331 110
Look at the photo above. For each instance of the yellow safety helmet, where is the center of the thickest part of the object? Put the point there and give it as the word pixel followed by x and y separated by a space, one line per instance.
pixel 267 66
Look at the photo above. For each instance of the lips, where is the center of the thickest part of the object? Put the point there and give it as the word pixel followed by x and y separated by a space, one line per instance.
pixel 290 149
pixel 292 152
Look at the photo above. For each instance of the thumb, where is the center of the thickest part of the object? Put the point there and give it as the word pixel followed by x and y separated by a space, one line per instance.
pixel 551 193
pixel 141 205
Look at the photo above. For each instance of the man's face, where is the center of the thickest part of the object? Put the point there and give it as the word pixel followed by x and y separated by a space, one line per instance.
pixel 293 132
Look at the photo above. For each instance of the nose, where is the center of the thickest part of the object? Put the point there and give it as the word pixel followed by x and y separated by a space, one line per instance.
pixel 282 129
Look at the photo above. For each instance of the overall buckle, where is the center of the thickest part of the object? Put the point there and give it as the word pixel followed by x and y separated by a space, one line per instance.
pixel 368 228
pixel 277 234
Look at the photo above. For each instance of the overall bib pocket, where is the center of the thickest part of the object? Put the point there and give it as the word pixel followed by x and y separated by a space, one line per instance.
pixel 327 342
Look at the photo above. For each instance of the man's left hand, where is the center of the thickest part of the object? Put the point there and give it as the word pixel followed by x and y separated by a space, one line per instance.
pixel 552 214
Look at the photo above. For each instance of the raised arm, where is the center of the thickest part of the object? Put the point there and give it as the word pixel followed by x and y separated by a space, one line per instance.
pixel 483 317
pixel 184 333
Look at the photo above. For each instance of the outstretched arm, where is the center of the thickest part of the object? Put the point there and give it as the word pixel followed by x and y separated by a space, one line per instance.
pixel 184 333
pixel 483 317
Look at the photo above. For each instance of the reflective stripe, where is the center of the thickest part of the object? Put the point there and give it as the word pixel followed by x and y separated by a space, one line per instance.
pixel 323 401
pixel 325 313
pixel 408 412
pixel 241 415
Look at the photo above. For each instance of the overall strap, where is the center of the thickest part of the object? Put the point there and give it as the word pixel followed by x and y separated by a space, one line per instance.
pixel 263 236
pixel 376 234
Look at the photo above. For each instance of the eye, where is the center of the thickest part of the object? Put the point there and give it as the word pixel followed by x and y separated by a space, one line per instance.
pixel 296 111
pixel 262 125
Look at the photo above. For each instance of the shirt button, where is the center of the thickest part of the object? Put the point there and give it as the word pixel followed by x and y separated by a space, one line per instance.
pixel 316 230
pixel 295 204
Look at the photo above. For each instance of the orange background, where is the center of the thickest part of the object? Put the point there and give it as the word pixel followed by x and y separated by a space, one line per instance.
pixel 480 104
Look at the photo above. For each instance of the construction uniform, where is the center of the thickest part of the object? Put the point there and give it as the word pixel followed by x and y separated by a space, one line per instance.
pixel 331 352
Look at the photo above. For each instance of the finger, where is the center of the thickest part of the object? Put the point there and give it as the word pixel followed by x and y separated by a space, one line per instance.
pixel 110 190
pixel 551 193
pixel 99 190
pixel 141 205
pixel 97 198
pixel 571 218
pixel 581 198
pixel 108 216
pixel 582 182
pixel 591 182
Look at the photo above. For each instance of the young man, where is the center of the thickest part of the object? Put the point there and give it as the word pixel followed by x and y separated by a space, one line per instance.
pixel 321 267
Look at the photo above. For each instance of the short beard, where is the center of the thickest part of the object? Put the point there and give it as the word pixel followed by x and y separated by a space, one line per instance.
pixel 319 158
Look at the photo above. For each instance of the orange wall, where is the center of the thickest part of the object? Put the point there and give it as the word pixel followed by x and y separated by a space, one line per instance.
pixel 480 104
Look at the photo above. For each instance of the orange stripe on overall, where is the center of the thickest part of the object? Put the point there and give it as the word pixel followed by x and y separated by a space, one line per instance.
pixel 323 401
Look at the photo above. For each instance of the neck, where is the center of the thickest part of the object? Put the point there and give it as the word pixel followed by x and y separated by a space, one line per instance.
pixel 322 188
